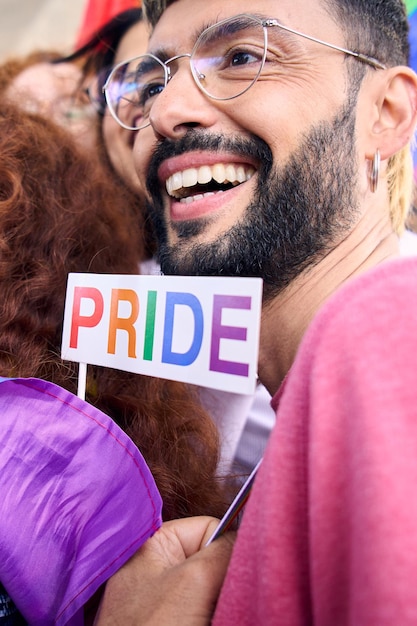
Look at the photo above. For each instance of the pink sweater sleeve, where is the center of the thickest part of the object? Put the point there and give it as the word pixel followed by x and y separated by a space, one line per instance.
pixel 329 535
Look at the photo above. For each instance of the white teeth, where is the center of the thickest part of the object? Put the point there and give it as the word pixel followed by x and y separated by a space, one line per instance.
pixel 199 196
pixel 174 182
pixel 204 175
pixel 241 176
pixel 189 178
pixel 219 172
pixel 230 173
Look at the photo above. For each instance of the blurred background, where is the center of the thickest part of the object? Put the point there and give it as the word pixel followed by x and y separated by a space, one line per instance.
pixel 29 24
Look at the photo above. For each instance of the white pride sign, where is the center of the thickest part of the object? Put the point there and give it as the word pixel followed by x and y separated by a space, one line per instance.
pixel 200 330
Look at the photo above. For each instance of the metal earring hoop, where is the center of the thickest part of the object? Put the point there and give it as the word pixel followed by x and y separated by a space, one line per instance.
pixel 376 162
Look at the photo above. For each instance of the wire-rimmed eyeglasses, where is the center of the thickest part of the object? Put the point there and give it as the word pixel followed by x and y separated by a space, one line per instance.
pixel 226 61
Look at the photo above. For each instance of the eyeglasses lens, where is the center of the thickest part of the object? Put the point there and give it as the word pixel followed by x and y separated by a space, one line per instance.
pixel 228 57
pixel 132 88
pixel 225 62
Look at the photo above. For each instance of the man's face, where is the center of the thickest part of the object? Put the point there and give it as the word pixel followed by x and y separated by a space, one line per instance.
pixel 286 147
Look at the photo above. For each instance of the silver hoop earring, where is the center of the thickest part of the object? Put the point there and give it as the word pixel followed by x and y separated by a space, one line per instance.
pixel 376 162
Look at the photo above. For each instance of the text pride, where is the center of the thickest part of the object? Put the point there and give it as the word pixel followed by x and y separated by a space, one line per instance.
pixel 199 330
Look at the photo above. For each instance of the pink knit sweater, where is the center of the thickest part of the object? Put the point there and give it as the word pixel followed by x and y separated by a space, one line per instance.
pixel 329 535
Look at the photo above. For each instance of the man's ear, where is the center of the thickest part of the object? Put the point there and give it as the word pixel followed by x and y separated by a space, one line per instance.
pixel 394 111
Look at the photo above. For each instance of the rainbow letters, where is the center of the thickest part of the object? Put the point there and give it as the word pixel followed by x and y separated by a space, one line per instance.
pixel 199 330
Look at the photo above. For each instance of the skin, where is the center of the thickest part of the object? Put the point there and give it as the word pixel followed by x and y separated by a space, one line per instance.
pixel 119 141
pixel 48 89
pixel 294 104
pixel 176 566
pixel 280 111
pixel 245 115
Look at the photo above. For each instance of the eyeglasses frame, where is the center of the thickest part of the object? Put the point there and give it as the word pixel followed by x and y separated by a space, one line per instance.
pixel 265 23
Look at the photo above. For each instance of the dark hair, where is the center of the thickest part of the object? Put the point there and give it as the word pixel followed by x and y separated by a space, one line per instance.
pixel 96 58
pixel 98 53
pixel 378 28
pixel 105 41
pixel 60 213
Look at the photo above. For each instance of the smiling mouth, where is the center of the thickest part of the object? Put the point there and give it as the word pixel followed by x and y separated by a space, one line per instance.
pixel 198 182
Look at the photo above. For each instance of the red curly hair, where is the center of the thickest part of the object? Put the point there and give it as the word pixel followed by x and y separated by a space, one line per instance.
pixel 59 213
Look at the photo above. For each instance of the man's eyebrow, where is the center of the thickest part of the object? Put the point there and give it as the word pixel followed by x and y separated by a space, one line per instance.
pixel 233 24
pixel 241 20
pixel 164 54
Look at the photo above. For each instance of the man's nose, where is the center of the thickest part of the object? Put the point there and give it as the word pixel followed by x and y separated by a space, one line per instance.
pixel 181 104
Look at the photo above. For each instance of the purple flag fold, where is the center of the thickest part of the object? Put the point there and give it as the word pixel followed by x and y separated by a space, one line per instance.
pixel 77 500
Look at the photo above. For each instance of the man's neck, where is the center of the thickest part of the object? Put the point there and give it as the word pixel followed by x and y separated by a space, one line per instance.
pixel 286 318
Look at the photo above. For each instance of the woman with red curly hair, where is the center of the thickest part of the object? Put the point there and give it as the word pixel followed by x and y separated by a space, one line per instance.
pixel 60 213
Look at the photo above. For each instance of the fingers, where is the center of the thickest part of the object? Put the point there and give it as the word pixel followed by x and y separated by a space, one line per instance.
pixel 210 565
pixel 192 532
pixel 170 580
pixel 175 541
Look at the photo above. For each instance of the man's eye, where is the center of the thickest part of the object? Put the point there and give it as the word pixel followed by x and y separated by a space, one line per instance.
pixel 243 58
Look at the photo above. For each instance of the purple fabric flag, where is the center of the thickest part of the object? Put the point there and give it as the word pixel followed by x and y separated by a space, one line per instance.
pixel 77 500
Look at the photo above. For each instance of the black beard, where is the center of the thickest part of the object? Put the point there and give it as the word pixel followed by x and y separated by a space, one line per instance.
pixel 298 213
